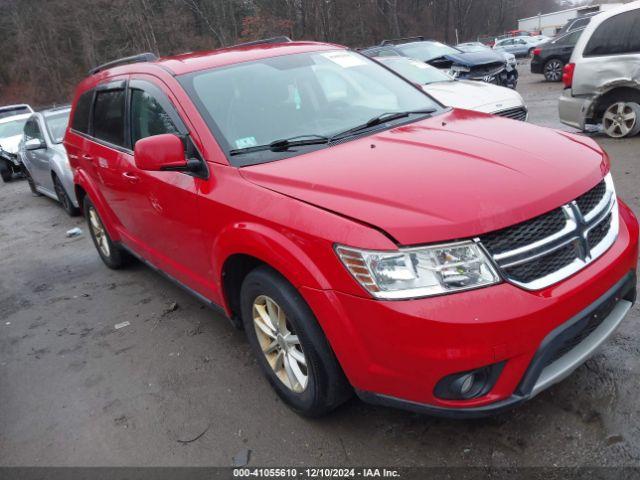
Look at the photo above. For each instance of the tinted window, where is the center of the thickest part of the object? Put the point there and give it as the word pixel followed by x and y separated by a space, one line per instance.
pixel 148 117
pixel 32 130
pixel 616 35
pixel 571 39
pixel 580 23
pixel 81 115
pixel 108 116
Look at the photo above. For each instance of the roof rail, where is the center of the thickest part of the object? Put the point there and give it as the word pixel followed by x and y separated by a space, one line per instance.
pixel 402 40
pixel 264 41
pixel 142 57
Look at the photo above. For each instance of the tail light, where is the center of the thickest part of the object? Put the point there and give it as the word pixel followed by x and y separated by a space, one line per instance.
pixel 567 74
pixel 536 52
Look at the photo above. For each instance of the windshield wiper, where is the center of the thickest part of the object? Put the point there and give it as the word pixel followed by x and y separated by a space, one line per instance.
pixel 379 120
pixel 284 144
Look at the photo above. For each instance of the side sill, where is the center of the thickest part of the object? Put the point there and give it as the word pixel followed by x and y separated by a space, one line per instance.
pixel 235 322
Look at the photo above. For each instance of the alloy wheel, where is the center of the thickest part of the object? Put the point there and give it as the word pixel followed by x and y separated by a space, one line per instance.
pixel 99 232
pixel 280 344
pixel 553 70
pixel 620 119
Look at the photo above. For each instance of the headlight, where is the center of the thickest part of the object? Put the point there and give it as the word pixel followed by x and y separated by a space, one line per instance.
pixel 420 272
pixel 457 70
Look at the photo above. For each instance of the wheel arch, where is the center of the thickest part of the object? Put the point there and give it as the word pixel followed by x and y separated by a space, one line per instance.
pixel 84 188
pixel 242 248
pixel 608 94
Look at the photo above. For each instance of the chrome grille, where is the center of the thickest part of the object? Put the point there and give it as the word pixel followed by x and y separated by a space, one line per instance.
pixel 519 113
pixel 554 246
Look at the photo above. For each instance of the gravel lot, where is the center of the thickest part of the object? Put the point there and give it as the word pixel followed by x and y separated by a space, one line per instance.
pixel 76 391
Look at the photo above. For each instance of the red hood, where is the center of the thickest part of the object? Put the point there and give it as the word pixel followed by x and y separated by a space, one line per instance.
pixel 450 177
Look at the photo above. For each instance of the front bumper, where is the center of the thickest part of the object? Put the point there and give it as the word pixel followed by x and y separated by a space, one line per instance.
pixel 574 111
pixel 503 78
pixel 545 369
pixel 394 353
pixel 10 157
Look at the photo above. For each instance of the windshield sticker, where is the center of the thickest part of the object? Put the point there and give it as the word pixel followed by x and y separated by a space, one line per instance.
pixel 345 59
pixel 246 142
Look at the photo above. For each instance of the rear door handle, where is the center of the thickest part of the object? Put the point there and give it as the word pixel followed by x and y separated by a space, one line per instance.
pixel 131 177
pixel 87 157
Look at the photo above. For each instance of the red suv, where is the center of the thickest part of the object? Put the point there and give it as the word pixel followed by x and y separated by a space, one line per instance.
pixel 367 238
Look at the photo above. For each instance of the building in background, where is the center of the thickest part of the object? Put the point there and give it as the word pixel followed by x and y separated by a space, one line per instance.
pixel 549 23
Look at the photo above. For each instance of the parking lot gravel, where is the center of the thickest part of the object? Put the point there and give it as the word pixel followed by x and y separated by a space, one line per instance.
pixel 178 385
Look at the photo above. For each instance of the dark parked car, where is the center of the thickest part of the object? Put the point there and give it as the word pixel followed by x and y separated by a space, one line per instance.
pixel 549 59
pixel 578 23
pixel 485 66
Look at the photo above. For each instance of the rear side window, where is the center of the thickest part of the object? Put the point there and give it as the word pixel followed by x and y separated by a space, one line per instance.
pixel 617 35
pixel 108 116
pixel 81 115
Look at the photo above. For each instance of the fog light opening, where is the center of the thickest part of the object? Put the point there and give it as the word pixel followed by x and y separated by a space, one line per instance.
pixel 468 385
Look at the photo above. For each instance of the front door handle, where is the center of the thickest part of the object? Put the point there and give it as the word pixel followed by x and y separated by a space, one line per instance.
pixel 131 177
pixel 87 157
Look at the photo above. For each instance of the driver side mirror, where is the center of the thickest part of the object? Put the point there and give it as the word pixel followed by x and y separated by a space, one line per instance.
pixel 163 153
pixel 34 144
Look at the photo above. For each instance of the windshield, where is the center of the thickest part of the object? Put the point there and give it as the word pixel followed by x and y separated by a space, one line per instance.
pixel 57 125
pixel 416 71
pixel 427 51
pixel 12 129
pixel 316 94
pixel 11 111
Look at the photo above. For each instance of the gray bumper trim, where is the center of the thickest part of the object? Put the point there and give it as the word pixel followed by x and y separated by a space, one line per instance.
pixel 565 365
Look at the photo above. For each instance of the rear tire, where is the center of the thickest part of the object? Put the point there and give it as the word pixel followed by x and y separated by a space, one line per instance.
pixel 113 256
pixel 292 350
pixel 5 171
pixel 553 70
pixel 64 199
pixel 621 119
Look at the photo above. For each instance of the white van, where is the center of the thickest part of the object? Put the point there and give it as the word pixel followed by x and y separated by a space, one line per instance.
pixel 602 80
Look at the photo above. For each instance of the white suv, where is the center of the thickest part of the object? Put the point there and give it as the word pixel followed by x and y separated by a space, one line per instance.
pixel 602 81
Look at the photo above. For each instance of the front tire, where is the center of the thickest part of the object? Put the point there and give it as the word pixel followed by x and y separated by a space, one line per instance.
pixel 553 70
pixel 290 346
pixel 30 181
pixel 111 254
pixel 5 171
pixel 64 199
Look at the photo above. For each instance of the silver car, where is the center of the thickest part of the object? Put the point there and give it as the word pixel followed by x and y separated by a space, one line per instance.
pixel 602 80
pixel 44 158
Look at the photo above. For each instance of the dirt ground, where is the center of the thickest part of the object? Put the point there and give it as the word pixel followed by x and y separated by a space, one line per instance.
pixel 76 391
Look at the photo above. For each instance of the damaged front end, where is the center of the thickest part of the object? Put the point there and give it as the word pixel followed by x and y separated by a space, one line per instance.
pixel 490 68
